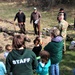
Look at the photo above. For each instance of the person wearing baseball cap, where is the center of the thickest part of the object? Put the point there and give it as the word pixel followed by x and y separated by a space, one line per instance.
pixel 21 18
pixel 35 18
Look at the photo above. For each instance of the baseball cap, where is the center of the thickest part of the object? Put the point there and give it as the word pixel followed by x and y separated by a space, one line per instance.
pixel 61 9
pixel 20 10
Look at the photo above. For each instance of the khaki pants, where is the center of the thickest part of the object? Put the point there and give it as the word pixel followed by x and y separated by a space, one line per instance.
pixel 64 39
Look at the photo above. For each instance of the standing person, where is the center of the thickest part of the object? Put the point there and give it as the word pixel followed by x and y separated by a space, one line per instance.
pixel 37 46
pixel 44 63
pixel 55 48
pixel 20 60
pixel 35 17
pixel 64 14
pixel 8 48
pixel 2 68
pixel 63 25
pixel 21 18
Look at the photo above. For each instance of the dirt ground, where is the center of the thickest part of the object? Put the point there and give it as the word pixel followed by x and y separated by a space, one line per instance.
pixel 6 40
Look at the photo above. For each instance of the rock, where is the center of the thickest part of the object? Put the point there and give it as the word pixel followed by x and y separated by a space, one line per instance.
pixel 5 35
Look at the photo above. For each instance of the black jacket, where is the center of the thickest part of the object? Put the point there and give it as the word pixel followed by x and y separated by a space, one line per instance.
pixel 20 17
pixel 37 50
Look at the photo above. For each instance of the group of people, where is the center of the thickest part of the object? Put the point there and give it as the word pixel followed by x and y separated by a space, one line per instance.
pixel 35 18
pixel 44 61
pixel 22 61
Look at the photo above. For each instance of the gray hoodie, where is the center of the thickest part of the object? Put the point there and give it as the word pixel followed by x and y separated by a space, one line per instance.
pixel 57 39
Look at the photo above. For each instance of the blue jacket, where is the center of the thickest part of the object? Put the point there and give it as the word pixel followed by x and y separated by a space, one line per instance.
pixel 2 68
pixel 43 70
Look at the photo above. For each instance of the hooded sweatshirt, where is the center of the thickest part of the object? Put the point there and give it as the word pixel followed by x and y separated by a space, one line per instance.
pixel 55 48
pixel 21 64
pixel 43 70
pixel 2 68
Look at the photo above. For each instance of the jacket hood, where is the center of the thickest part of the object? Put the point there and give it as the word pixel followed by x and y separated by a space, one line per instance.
pixel 15 55
pixel 47 65
pixel 57 39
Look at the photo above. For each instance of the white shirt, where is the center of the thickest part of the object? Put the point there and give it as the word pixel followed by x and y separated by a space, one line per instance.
pixel 6 54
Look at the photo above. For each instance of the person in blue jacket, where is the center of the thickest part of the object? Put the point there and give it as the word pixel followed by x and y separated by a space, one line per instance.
pixel 43 63
pixel 2 68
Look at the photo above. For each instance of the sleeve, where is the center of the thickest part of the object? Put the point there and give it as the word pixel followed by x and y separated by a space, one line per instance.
pixel 34 63
pixel 15 17
pixel 39 68
pixel 8 65
pixel 39 15
pixel 31 18
pixel 47 47
pixel 24 18
pixel 4 68
pixel 49 63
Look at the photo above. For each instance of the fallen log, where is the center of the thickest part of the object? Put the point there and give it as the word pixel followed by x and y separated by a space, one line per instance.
pixel 6 21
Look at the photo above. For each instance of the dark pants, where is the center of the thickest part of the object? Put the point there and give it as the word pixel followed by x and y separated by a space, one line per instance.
pixel 36 29
pixel 22 28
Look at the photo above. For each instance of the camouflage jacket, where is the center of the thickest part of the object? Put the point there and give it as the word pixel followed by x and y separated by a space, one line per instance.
pixel 63 25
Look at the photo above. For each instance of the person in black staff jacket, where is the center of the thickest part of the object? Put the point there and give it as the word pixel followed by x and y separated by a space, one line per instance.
pixel 20 61
pixel 35 17
pixel 21 18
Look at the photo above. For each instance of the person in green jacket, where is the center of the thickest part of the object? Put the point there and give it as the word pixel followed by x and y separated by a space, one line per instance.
pixel 20 61
pixel 55 48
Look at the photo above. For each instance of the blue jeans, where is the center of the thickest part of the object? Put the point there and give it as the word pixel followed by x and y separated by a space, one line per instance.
pixel 54 69
pixel 73 71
